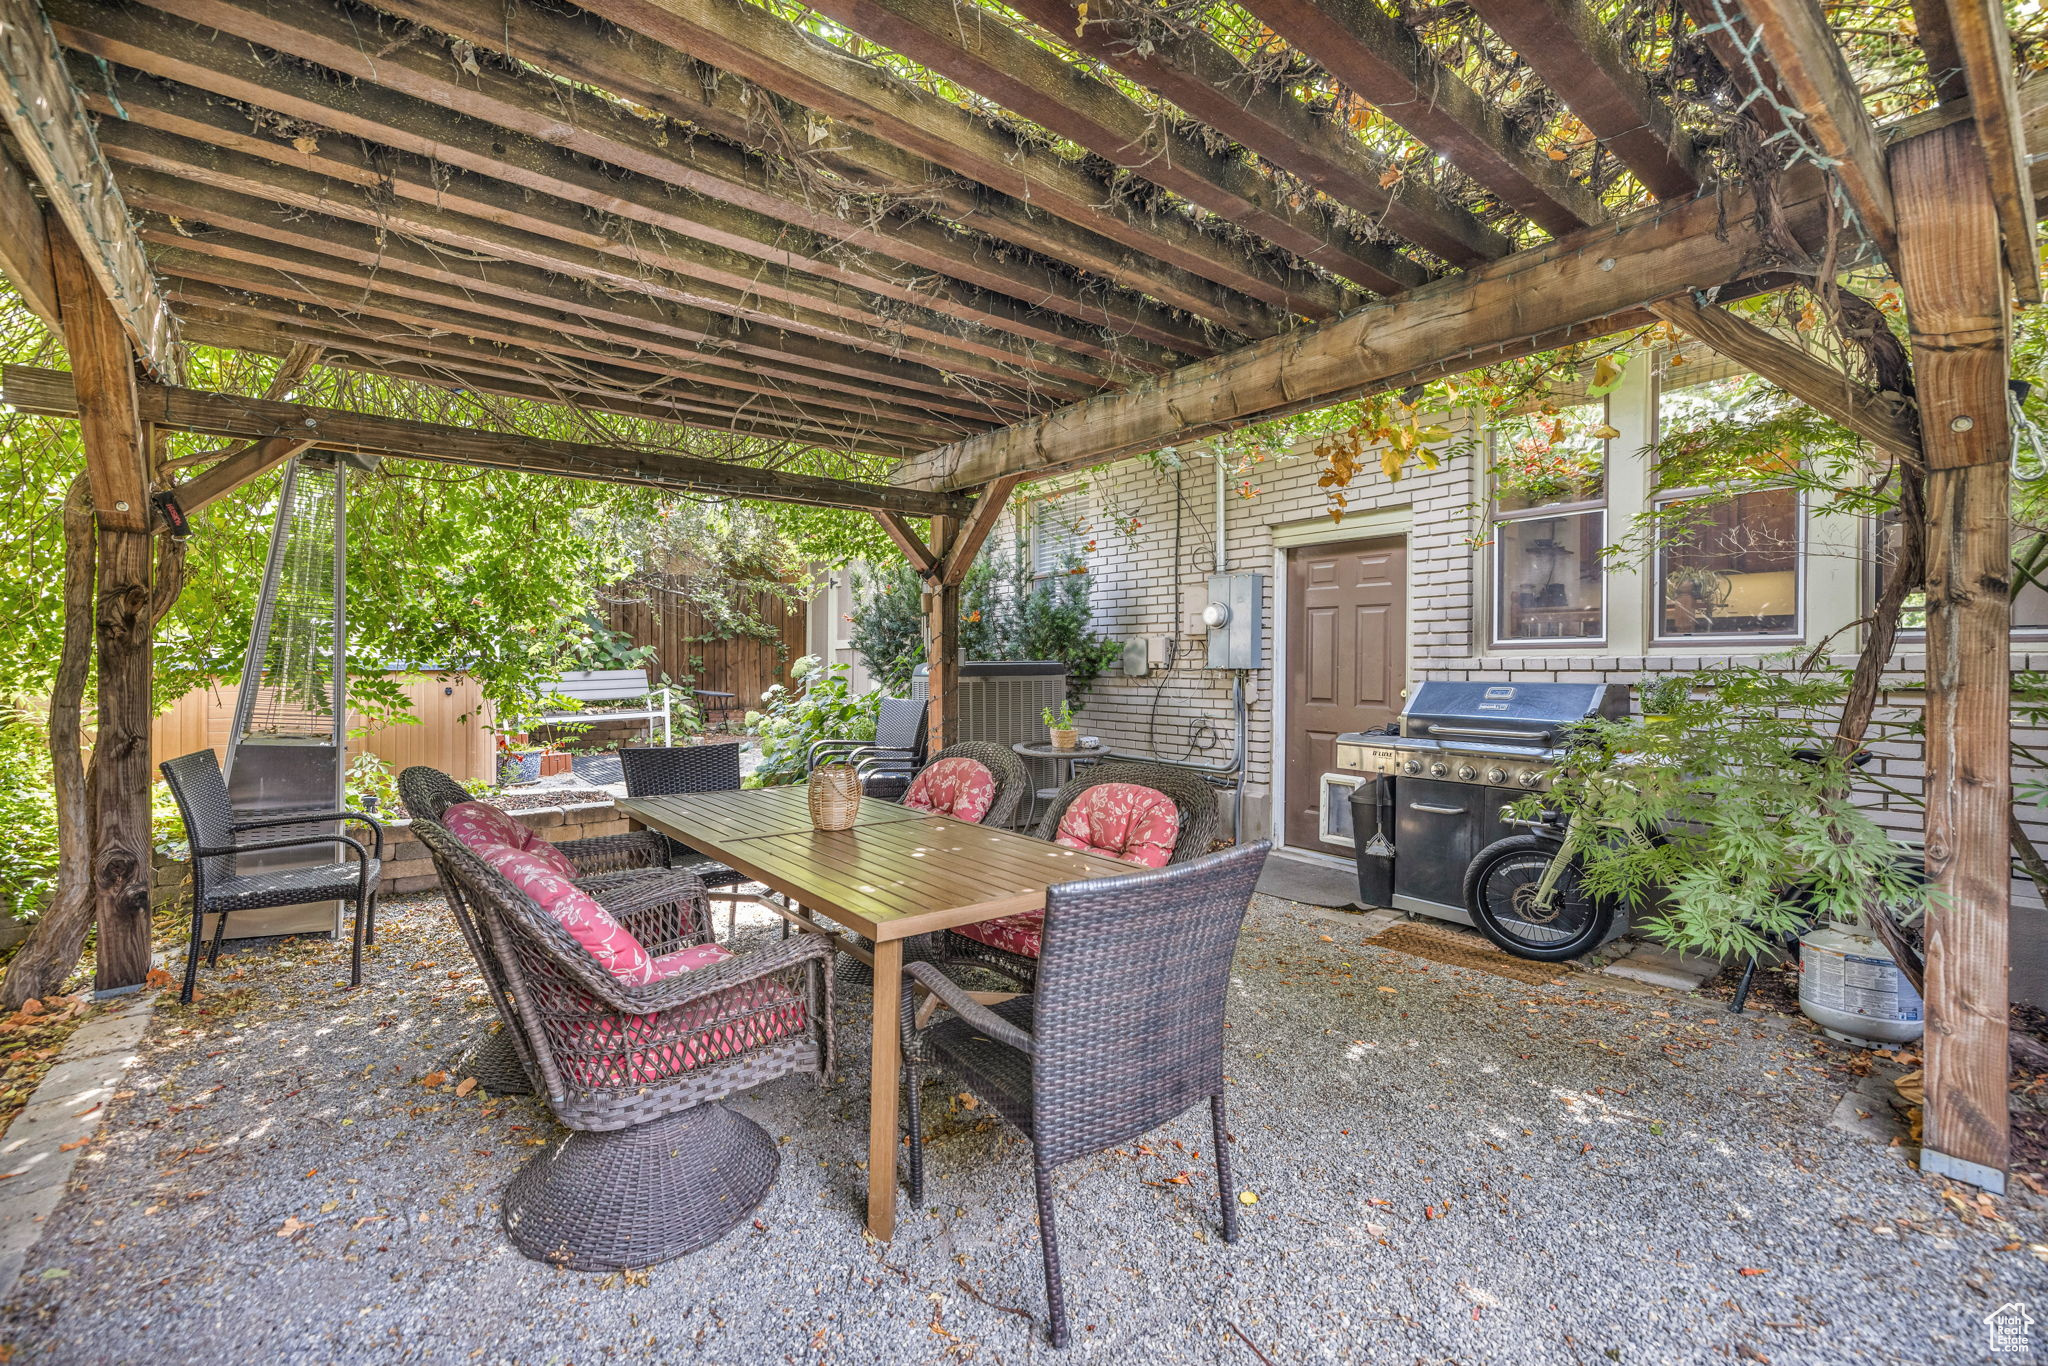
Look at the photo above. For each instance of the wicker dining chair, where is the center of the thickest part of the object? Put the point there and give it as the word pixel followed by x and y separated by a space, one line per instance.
pixel 1123 1032
pixel 659 772
pixel 1192 798
pixel 220 887
pixel 628 874
pixel 887 762
pixel 654 1166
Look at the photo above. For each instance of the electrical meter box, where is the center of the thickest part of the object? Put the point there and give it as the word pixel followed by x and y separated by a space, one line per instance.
pixel 1234 617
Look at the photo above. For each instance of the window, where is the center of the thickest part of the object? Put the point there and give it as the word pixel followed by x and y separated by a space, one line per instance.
pixel 2029 605
pixel 1727 564
pixel 1056 534
pixel 1549 505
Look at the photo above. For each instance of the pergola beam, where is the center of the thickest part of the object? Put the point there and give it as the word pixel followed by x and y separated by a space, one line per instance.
pixel 1594 281
pixel 1981 43
pixel 41 109
pixel 50 392
pixel 25 244
pixel 1810 64
pixel 985 52
pixel 1256 297
pixel 1377 58
pixel 742 212
pixel 1578 57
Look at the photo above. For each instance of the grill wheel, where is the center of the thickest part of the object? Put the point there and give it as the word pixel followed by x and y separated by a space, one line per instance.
pixel 1500 892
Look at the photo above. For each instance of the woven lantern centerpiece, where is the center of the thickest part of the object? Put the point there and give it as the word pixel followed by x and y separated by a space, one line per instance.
pixel 835 796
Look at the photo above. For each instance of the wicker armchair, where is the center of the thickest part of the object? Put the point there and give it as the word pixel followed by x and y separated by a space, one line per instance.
pixel 655 1167
pixel 220 888
pixel 628 874
pixel 1192 797
pixel 1124 1030
pixel 1013 780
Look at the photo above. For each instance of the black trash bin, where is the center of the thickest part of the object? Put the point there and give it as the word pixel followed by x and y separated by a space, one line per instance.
pixel 1372 826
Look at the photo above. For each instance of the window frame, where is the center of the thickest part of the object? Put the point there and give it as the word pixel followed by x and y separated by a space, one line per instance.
pixel 1656 498
pixel 1601 507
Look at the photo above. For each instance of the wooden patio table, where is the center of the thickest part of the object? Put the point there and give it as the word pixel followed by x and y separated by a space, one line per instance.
pixel 897 873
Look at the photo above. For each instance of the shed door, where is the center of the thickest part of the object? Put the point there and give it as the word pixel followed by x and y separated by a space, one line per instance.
pixel 1346 661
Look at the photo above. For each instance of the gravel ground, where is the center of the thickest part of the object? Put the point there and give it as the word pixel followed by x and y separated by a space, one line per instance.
pixel 1449 1166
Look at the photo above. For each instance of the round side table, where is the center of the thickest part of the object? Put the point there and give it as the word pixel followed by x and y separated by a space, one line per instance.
pixel 1064 759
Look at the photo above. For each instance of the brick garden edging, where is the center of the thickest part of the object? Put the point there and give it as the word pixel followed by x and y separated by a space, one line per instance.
pixel 407 869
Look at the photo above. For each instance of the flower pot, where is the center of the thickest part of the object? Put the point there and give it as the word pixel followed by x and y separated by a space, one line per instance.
pixel 518 766
pixel 1065 737
pixel 554 762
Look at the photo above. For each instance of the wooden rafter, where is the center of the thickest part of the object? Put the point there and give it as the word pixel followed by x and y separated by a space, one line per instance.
pixel 1984 48
pixel 1814 73
pixel 986 53
pixel 232 471
pixel 736 37
pixel 1582 62
pixel 579 46
pixel 181 159
pixel 41 109
pixel 50 392
pixel 1376 58
pixel 25 244
pixel 994 497
pixel 899 530
pixel 740 215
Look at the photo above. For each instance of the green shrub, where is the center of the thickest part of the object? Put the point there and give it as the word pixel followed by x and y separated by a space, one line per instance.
pixel 822 706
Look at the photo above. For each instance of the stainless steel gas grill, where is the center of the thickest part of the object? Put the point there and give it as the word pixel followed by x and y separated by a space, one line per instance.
pixel 1463 752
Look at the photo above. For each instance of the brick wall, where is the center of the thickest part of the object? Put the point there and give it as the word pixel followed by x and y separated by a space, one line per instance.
pixel 1185 712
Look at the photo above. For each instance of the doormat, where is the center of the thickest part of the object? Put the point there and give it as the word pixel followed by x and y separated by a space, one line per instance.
pixel 1462 950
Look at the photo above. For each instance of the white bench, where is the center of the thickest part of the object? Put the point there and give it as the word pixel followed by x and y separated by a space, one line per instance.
pixel 610 685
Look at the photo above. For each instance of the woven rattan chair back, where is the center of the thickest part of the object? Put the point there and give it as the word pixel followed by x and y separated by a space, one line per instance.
pixel 201 792
pixel 429 792
pixel 669 772
pixel 590 1039
pixel 1127 1016
pixel 900 724
pixel 1013 780
pixel 1190 792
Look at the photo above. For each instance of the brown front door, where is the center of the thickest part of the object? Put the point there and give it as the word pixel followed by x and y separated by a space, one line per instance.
pixel 1346 662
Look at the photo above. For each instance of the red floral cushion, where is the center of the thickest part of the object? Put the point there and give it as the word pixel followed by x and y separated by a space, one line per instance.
pixel 481 825
pixel 609 942
pixel 959 787
pixel 1125 821
pixel 1020 933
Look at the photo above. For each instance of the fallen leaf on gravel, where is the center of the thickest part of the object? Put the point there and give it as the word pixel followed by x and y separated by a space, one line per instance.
pixel 468 1084
pixel 433 1079
pixel 1247 1197
pixel 74 1144
pixel 157 978
pixel 292 1225
pixel 1752 1271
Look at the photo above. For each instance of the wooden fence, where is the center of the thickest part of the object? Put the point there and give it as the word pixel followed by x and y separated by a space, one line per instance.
pixel 688 646
pixel 451 734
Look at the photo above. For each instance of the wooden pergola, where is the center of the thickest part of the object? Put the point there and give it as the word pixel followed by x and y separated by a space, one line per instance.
pixel 993 246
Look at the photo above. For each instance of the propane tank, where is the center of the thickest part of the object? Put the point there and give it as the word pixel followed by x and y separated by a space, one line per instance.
pixel 1851 987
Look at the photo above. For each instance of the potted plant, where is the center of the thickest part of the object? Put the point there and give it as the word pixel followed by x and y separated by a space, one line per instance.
pixel 1061 724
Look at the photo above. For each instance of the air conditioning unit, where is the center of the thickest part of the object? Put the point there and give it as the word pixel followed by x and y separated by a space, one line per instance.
pixel 1002 702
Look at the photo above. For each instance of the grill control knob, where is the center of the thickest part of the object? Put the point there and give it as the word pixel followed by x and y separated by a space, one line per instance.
pixel 1439 769
pixel 1411 766
pixel 1466 773
pixel 1528 777
pixel 1497 776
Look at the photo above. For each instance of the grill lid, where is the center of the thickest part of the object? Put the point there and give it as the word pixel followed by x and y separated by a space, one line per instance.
pixel 1513 716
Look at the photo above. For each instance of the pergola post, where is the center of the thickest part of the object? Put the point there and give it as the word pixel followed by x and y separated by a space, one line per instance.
pixel 942 637
pixel 117 447
pixel 1956 289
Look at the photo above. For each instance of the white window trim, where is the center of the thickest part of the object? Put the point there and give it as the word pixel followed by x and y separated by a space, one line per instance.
pixel 1490 554
pixel 1800 558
